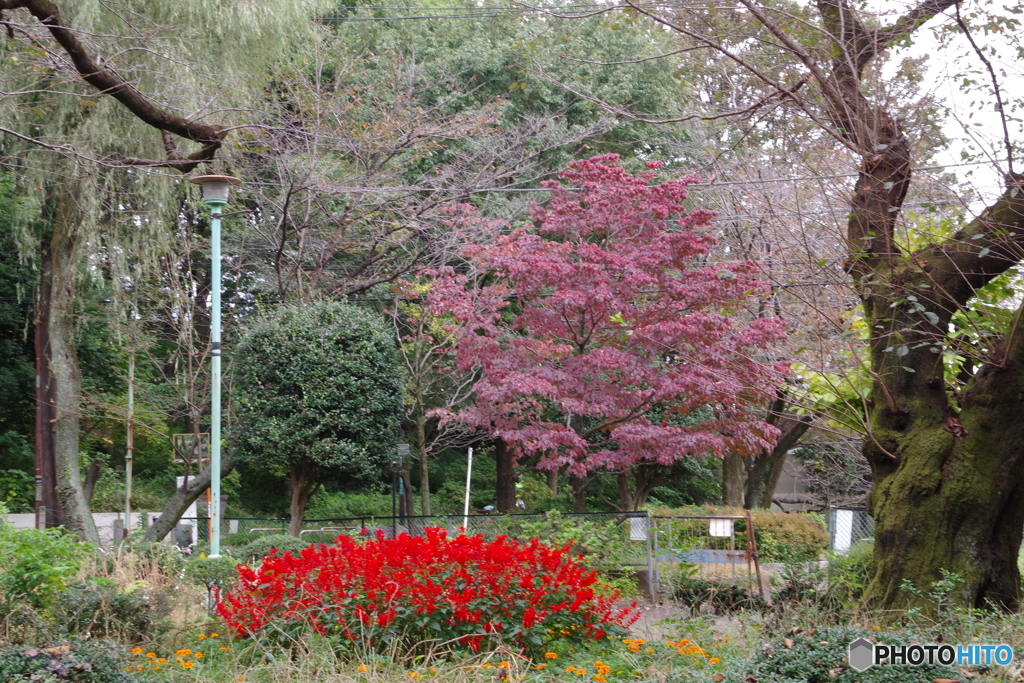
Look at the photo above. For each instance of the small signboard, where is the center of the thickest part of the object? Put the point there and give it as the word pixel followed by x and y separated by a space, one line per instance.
pixel 721 528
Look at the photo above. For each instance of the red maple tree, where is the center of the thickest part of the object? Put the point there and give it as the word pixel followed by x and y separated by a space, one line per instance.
pixel 603 338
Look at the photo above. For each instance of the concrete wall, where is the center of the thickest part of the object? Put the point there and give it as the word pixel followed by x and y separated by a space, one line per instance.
pixel 104 522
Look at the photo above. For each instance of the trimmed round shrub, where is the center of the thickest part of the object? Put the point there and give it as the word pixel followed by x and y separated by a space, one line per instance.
pixel 258 549
pixel 412 592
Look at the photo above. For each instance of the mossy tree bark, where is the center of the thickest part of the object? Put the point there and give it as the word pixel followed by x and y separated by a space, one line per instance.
pixel 947 467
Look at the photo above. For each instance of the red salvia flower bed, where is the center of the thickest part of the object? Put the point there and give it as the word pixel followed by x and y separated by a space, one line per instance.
pixel 467 590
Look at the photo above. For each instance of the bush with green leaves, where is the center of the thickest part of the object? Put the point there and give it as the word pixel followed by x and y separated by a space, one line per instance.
pixel 72 660
pixel 36 565
pixel 102 609
pixel 259 548
pixel 317 395
pixel 213 571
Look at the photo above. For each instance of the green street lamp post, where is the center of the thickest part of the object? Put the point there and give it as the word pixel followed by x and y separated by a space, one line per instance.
pixel 215 194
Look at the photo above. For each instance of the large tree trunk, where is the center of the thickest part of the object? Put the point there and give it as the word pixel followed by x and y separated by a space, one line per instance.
pixel 579 493
pixel 732 480
pixel 763 475
pixel 644 478
pixel 505 486
pixel 65 371
pixel 52 515
pixel 183 498
pixel 304 484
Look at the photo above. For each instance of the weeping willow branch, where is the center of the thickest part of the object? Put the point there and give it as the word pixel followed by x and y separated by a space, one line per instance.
pixel 109 83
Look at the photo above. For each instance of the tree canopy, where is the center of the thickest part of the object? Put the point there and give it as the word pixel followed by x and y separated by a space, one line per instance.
pixel 318 394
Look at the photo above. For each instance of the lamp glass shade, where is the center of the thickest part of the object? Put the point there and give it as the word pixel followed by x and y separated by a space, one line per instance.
pixel 216 187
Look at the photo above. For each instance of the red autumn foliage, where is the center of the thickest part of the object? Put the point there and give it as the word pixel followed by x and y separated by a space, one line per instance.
pixel 466 590
pixel 603 336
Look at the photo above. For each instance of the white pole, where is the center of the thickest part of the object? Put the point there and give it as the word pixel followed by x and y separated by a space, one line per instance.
pixel 469 475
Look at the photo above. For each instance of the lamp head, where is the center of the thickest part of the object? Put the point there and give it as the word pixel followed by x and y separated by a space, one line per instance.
pixel 215 188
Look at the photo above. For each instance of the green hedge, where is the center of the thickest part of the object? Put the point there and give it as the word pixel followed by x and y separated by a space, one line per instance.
pixel 781 537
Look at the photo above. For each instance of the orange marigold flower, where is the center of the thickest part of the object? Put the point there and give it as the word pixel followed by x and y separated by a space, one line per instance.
pixel 550 655
pixel 363 668
pixel 599 678
pixel 214 635
pixel 183 653
pixel 151 654
pixel 201 636
pixel 199 655
pixel 222 649
pixel 188 664
pixel 714 660
pixel 136 650
pixel 161 660
pixel 541 667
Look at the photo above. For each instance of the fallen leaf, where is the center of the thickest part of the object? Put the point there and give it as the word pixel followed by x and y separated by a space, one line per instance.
pixel 787 642
pixel 31 653
pixel 718 678
pixel 59 650
pixel 946 680
pixel 834 673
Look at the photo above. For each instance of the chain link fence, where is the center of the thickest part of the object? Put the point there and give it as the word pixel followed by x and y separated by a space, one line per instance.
pixel 618 538
pixel 848 527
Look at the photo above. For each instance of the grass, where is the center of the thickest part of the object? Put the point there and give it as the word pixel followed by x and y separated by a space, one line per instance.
pixel 807 633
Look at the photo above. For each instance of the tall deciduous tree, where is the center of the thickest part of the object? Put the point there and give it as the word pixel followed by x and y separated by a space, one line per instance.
pixel 606 344
pixel 318 394
pixel 944 440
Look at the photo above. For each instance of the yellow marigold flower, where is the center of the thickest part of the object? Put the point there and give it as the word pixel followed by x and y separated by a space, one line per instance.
pixel 161 660
pixel 570 669
pixel 201 636
pixel 432 670
pixel 683 642
pixel 188 664
pixel 581 672
pixel 128 668
pixel 670 643
pixel 139 668
pixel 725 639
pixel 714 660
pixel 504 665
pixel 214 635
pixel 239 679
pixel 156 668
pixel 263 663
pixel 199 655
pixel 363 668
pixel 599 678
pixel 412 674
pixel 550 655
pixel 183 653
pixel 136 650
